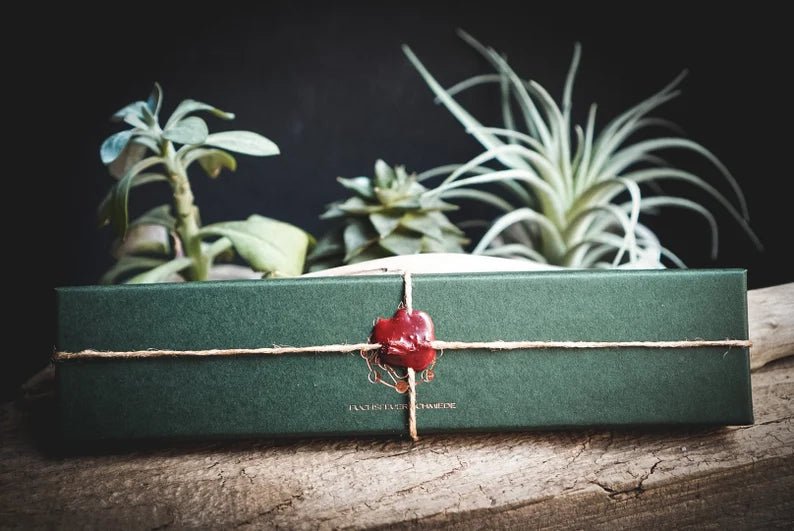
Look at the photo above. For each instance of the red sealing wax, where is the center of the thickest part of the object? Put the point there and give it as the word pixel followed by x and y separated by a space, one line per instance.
pixel 405 340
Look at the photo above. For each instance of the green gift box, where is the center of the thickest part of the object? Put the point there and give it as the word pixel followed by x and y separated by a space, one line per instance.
pixel 299 394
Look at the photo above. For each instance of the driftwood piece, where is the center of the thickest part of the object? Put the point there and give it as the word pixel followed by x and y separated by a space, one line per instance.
pixel 770 313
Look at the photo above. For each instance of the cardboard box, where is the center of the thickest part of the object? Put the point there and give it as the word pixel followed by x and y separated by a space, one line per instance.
pixel 473 390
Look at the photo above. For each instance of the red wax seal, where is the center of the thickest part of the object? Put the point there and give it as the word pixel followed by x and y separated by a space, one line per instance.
pixel 405 340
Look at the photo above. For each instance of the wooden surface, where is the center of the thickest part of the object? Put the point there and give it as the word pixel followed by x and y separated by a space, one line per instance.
pixel 770 313
pixel 736 477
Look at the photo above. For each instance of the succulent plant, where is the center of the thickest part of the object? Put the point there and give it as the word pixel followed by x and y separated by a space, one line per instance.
pixel 169 240
pixel 571 197
pixel 391 214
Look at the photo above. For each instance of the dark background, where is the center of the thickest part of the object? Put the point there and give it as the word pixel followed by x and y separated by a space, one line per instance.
pixel 330 85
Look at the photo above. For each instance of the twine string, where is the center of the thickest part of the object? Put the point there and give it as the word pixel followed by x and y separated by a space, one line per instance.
pixel 412 405
pixel 408 300
pixel 277 350
pixel 344 348
pixel 408 292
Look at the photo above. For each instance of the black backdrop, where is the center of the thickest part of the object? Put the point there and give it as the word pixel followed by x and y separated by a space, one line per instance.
pixel 330 85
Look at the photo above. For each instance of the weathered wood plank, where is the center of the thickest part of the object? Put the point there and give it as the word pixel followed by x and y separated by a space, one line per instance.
pixel 770 313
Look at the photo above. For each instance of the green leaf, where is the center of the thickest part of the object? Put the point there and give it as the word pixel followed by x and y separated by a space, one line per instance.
pixel 410 203
pixel 474 81
pixel 384 175
pixel 384 223
pixel 389 197
pixel 402 176
pixel 149 142
pixel 160 215
pixel 104 210
pixel 222 249
pixel 357 236
pixel 149 119
pixel 517 216
pixel 132 153
pixel 475 168
pixel 359 185
pixel 332 211
pixel 191 131
pixel 155 101
pixel 113 146
pixel 445 245
pixel 421 223
pixel 330 244
pixel 539 186
pixel 133 109
pixel 534 122
pixel 399 243
pixel 211 160
pixel 135 121
pixel 650 203
pixel 414 188
pixel 356 205
pixel 445 224
pixel 191 106
pixel 477 195
pixel 162 272
pixel 514 250
pixel 654 174
pixel 624 158
pixel 119 214
pixel 467 120
pixel 266 244
pixel 244 142
pixel 372 252
pixel 127 265
pixel 434 202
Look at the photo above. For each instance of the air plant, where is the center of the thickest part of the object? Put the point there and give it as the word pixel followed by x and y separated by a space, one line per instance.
pixel 169 240
pixel 571 197
pixel 391 214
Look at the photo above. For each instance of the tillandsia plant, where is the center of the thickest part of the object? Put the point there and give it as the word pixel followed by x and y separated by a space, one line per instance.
pixel 169 240
pixel 571 197
pixel 391 214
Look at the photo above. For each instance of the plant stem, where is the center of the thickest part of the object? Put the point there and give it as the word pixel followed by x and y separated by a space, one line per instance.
pixel 187 227
pixel 187 217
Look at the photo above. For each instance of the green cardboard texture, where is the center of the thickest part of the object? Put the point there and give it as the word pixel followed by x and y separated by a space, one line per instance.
pixel 474 390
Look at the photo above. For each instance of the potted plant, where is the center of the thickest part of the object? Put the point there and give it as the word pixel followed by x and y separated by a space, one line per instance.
pixel 169 242
pixel 389 215
pixel 571 196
